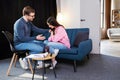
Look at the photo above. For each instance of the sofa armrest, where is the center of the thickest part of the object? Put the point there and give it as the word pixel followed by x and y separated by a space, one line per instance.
pixel 108 33
pixel 84 48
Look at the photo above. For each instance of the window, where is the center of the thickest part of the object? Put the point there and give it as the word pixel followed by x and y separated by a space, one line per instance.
pixel 102 13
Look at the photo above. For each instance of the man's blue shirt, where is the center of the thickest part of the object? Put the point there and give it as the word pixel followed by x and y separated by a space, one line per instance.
pixel 23 29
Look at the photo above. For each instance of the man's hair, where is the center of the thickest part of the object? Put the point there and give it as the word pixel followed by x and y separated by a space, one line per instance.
pixel 27 10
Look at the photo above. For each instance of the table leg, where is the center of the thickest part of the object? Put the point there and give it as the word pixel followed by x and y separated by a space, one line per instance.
pixel 43 69
pixel 34 69
pixel 54 70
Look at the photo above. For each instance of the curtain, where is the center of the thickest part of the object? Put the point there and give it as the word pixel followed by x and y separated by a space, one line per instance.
pixel 11 10
pixel 107 18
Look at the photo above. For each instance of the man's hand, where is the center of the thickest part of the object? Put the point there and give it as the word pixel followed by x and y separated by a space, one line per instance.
pixel 40 37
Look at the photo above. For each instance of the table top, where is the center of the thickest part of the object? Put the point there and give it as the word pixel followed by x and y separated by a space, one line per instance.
pixel 48 57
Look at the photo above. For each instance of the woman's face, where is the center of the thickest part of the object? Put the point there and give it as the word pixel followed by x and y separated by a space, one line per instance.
pixel 50 26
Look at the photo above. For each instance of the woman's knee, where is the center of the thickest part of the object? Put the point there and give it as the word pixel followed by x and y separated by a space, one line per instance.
pixel 46 42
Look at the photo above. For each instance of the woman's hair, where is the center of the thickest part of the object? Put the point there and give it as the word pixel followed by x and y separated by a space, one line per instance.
pixel 52 21
pixel 27 10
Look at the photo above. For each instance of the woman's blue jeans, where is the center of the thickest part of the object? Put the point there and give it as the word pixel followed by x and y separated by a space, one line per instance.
pixel 54 45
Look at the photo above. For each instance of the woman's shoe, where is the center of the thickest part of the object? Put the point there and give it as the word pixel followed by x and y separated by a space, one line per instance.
pixel 54 64
pixel 56 52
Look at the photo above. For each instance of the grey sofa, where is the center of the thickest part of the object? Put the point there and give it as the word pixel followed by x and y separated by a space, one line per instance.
pixel 114 34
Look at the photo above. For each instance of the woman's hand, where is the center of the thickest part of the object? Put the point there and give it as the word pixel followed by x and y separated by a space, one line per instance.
pixel 40 37
pixel 51 32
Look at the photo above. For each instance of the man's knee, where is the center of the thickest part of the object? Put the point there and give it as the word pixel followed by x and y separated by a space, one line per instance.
pixel 39 49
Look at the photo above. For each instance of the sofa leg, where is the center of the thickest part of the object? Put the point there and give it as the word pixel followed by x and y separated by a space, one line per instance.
pixel 74 66
pixel 88 57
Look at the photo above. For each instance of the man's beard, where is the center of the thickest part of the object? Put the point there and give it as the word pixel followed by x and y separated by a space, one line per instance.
pixel 30 20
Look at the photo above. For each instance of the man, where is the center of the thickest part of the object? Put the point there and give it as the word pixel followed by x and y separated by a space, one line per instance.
pixel 22 35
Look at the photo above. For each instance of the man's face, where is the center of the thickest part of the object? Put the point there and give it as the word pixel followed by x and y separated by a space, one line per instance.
pixel 31 16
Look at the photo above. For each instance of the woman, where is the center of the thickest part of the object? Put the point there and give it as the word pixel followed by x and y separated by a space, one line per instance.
pixel 58 38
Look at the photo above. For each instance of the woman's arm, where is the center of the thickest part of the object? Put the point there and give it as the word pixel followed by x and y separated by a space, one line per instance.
pixel 59 34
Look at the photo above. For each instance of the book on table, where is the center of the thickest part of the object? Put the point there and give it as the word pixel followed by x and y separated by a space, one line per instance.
pixel 40 55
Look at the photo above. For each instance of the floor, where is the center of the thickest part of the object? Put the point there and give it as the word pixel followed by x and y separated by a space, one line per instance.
pixel 98 67
pixel 110 48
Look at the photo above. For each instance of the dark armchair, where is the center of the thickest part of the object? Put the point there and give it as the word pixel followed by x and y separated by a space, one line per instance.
pixel 15 52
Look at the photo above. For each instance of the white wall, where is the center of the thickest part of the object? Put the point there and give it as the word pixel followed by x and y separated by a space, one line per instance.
pixel 71 11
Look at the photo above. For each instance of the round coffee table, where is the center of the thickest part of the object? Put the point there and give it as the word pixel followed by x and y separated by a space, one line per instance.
pixel 48 57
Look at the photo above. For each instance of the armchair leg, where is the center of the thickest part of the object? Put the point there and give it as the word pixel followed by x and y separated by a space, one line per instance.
pixel 9 68
pixel 16 57
pixel 74 66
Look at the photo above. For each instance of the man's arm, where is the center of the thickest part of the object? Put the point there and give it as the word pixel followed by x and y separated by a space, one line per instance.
pixel 39 30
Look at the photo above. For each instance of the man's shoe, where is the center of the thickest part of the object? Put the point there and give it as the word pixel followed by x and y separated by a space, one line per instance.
pixel 41 65
pixel 23 64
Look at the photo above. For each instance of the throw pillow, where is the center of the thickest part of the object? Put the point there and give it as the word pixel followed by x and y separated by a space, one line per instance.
pixel 81 36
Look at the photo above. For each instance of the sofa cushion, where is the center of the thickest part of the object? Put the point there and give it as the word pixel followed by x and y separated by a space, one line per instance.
pixel 115 35
pixel 73 32
pixel 72 51
pixel 81 36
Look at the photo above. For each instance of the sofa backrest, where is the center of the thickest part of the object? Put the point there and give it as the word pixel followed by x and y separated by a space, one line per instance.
pixel 73 32
pixel 114 30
